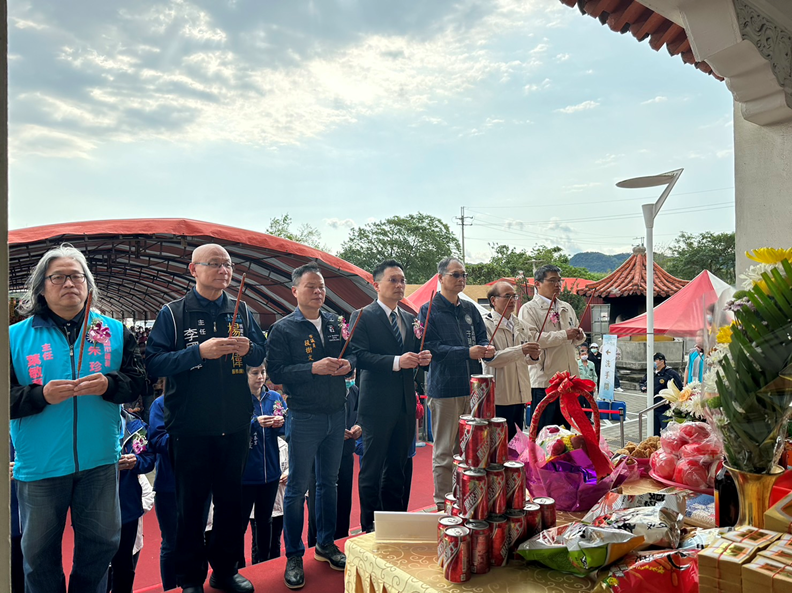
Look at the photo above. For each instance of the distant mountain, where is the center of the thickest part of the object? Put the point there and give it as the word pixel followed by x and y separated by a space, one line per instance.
pixel 594 261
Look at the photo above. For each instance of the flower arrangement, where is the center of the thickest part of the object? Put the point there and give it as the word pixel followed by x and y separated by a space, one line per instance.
pixel 139 441
pixel 278 409
pixel 418 328
pixel 555 317
pixel 98 333
pixel 686 404
pixel 344 327
pixel 748 388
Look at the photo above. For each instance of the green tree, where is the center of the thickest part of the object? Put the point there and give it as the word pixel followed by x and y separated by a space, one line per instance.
pixel 280 226
pixel 509 262
pixel 417 241
pixel 691 254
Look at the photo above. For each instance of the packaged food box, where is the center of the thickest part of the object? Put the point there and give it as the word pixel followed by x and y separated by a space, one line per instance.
pixel 767 575
pixel 779 516
pixel 723 560
pixel 760 538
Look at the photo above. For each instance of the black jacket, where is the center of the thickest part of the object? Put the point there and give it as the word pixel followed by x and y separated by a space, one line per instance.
pixel 203 397
pixel 383 391
pixel 662 379
pixel 293 347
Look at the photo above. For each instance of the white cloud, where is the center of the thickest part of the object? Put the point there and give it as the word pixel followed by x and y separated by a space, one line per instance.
pixel 540 49
pixel 584 106
pixel 608 160
pixel 338 223
pixel 581 186
pixel 724 154
pixel 531 88
pixel 512 224
pixel 562 57
pixel 657 99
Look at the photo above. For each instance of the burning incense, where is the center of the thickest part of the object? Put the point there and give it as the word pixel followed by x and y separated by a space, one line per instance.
pixel 84 330
pixel 236 309
pixel 352 333
pixel 426 321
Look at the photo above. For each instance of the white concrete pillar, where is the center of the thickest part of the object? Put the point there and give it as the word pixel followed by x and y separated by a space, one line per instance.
pixel 5 493
pixel 762 186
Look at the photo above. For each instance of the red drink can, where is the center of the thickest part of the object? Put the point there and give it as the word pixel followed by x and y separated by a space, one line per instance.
pixel 456 476
pixel 442 524
pixel 499 440
pixel 548 507
pixel 479 546
pixel 496 489
pixel 482 396
pixel 455 510
pixel 450 499
pixel 515 484
pixel 516 520
pixel 533 519
pixel 499 540
pixel 462 420
pixel 474 443
pixel 474 495
pixel 456 554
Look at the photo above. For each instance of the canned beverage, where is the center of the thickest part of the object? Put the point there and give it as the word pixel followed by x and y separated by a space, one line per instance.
pixel 450 499
pixel 482 396
pixel 456 511
pixel 456 476
pixel 442 524
pixel 515 484
pixel 496 489
pixel 456 554
pixel 474 443
pixel 548 507
pixel 479 546
pixel 533 519
pixel 474 495
pixel 462 420
pixel 516 520
pixel 499 540
pixel 499 440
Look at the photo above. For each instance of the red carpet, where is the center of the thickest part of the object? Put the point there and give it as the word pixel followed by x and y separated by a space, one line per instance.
pixel 319 577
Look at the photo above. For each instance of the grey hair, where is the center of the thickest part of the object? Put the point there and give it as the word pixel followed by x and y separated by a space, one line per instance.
pixel 542 272
pixel 442 267
pixel 32 302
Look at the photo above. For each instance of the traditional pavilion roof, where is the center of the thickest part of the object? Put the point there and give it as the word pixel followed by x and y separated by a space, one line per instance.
pixel 627 15
pixel 630 279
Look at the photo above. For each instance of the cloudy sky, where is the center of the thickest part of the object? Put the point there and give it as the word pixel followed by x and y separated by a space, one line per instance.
pixel 342 112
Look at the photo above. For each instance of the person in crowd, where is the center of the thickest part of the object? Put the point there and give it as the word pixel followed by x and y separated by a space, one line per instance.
pixel 595 356
pixel 262 471
pixel 663 375
pixel 554 324
pixel 304 356
pixel 386 345
pixel 695 361
pixel 207 415
pixel 352 433
pixel 586 368
pixel 65 421
pixel 277 510
pixel 137 459
pixel 513 354
pixel 457 339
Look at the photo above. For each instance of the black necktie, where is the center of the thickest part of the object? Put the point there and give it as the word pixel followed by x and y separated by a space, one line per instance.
pixel 396 330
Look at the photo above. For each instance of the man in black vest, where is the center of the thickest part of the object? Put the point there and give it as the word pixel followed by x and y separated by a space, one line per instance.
pixel 386 345
pixel 207 415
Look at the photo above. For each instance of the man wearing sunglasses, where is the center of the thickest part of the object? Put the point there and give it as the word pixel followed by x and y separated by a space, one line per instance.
pixel 207 415
pixel 457 339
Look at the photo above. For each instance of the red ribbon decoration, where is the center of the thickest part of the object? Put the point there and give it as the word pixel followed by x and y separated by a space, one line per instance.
pixel 566 388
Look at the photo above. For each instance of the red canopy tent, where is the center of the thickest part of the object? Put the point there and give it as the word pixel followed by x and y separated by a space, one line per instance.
pixel 680 315
pixel 141 264
pixel 570 284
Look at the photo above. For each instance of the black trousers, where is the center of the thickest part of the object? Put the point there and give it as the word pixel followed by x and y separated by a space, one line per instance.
pixel 206 466
pixel 122 566
pixel 408 469
pixel 263 496
pixel 275 541
pixel 386 443
pixel 343 496
pixel 552 414
pixel 515 415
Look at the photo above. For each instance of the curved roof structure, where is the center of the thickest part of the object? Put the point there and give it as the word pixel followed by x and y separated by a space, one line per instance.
pixel 630 279
pixel 141 264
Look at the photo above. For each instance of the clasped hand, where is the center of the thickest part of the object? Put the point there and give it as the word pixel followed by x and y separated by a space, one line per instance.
pixel 270 421
pixel 215 348
pixel 62 389
pixel 337 367
pixel 410 360
pixel 479 352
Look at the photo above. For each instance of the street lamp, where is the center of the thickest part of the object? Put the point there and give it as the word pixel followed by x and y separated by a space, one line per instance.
pixel 650 211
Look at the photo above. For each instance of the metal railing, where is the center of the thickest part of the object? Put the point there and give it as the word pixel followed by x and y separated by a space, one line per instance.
pixel 641 415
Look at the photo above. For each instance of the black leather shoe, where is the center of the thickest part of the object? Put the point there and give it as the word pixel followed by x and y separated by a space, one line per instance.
pixel 294 577
pixel 332 555
pixel 193 589
pixel 233 584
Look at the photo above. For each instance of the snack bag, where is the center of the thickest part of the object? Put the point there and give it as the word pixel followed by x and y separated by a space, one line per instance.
pixel 652 572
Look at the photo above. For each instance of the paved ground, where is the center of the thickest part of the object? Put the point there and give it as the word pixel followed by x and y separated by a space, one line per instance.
pixel 636 401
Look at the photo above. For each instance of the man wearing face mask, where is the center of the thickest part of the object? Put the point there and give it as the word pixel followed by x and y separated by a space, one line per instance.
pixel 694 363
pixel 663 375
pixel 595 356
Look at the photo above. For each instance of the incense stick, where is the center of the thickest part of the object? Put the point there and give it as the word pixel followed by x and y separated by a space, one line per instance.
pixel 352 333
pixel 545 319
pixel 588 305
pixel 84 330
pixel 426 321
pixel 236 309
pixel 499 322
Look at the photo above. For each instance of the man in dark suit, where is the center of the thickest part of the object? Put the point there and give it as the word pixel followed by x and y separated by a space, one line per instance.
pixel 386 345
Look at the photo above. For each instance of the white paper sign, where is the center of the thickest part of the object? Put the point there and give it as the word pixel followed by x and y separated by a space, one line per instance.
pixel 607 367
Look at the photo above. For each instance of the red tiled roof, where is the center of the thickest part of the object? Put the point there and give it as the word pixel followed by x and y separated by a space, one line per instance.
pixel 630 279
pixel 627 15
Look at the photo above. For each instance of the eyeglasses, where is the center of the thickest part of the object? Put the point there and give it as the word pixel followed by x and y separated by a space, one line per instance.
pixel 397 281
pixel 554 280
pixel 505 296
pixel 457 275
pixel 216 265
pixel 60 279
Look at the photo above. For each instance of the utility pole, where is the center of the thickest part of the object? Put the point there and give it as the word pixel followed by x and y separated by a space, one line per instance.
pixel 461 218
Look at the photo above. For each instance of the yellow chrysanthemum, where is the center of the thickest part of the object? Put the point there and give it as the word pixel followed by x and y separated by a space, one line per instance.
pixel 724 335
pixel 769 255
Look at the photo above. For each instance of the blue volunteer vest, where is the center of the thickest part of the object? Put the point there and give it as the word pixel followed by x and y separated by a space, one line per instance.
pixel 80 433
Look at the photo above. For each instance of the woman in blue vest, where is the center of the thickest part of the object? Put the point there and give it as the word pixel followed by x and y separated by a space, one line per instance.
pixel 263 471
pixel 66 421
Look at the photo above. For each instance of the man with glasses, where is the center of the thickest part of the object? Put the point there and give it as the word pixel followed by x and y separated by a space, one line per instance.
pixel 207 415
pixel 66 422
pixel 513 353
pixel 457 338
pixel 386 347
pixel 557 323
